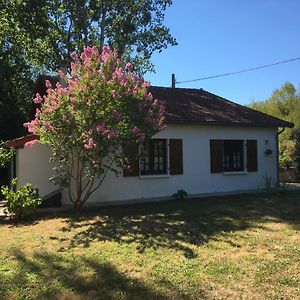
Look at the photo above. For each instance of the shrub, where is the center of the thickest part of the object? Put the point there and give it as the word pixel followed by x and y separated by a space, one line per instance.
pixel 5 155
pixel 180 195
pixel 21 202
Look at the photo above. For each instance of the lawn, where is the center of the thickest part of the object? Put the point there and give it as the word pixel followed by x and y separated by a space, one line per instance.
pixel 234 247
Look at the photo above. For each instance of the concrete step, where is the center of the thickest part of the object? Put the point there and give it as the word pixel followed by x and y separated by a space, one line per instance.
pixel 2 203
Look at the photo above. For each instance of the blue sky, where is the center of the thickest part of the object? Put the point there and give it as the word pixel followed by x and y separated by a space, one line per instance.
pixel 220 36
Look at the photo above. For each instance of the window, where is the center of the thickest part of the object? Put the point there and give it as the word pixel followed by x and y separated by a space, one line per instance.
pixel 153 158
pixel 233 156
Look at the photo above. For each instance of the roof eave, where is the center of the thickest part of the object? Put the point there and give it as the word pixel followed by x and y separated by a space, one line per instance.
pixel 20 142
pixel 213 123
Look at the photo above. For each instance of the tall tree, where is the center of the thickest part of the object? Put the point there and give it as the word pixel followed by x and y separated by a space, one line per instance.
pixel 285 104
pixel 49 31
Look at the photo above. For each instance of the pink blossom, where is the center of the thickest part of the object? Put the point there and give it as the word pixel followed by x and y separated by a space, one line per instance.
pixel 155 103
pixel 145 84
pixel 51 128
pixel 48 84
pixel 30 126
pixel 83 56
pixel 161 110
pixel 114 93
pixel 74 55
pixel 88 52
pixel 63 91
pixel 110 134
pixel 38 99
pixel 95 50
pixel 61 73
pixel 90 144
pixel 129 66
pixel 31 143
pixel 135 129
pixel 73 66
pixel 106 54
pixel 100 128
pixel 149 96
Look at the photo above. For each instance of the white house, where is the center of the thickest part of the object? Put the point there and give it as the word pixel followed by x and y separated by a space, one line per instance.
pixel 210 146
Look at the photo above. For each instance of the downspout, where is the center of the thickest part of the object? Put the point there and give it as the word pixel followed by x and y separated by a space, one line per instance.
pixel 277 155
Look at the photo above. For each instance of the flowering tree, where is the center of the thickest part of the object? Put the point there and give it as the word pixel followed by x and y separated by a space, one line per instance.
pixel 101 107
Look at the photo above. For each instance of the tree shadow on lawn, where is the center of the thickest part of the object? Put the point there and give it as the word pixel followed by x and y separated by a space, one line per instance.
pixel 181 224
pixel 52 276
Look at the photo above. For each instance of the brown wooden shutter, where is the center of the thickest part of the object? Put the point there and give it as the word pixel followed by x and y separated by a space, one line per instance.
pixel 132 152
pixel 216 156
pixel 176 156
pixel 252 155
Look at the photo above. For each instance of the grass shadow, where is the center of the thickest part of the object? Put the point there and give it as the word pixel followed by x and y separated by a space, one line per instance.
pixel 51 276
pixel 181 224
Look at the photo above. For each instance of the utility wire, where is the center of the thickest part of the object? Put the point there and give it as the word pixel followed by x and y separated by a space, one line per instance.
pixel 241 71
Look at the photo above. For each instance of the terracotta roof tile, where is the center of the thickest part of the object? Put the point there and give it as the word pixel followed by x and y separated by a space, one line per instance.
pixel 197 106
pixel 20 142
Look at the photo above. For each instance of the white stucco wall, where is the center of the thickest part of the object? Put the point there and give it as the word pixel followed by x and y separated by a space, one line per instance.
pixel 33 166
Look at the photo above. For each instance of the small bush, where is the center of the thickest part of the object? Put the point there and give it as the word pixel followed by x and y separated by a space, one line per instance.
pixel 180 195
pixel 5 155
pixel 21 202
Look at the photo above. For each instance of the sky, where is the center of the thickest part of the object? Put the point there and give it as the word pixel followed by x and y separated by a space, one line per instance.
pixel 221 36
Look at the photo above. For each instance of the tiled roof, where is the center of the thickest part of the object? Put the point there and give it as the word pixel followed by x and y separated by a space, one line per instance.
pixel 20 142
pixel 190 106
pixel 197 106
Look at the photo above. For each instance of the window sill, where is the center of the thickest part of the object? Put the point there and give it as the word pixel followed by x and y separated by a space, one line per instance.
pixel 154 176
pixel 236 173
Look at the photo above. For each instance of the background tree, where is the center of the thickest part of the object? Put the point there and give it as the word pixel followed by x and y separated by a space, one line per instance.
pixel 285 104
pixel 103 107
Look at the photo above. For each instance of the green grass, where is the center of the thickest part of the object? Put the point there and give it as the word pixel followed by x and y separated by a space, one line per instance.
pixel 235 247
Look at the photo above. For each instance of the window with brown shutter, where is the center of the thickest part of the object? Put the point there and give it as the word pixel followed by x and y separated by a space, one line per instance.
pixel 176 156
pixel 132 152
pixel 251 155
pixel 153 157
pixel 216 156
pixel 233 155
pixel 228 155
